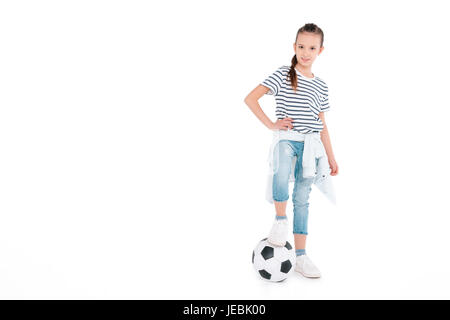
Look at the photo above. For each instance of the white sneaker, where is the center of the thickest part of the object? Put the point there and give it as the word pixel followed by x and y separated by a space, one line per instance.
pixel 305 266
pixel 278 233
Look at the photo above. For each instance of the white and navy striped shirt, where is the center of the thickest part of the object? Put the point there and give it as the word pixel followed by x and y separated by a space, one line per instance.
pixel 304 105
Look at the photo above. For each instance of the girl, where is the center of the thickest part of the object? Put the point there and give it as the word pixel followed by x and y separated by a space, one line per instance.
pixel 301 135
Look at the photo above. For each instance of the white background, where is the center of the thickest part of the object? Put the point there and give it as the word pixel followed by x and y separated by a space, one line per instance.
pixel 131 168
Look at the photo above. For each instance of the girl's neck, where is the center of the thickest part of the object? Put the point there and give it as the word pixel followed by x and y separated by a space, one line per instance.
pixel 304 71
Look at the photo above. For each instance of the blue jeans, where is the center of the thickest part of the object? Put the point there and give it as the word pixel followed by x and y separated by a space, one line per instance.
pixel 287 149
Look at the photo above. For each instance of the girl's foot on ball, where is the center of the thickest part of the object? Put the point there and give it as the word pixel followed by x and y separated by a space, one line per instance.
pixel 278 233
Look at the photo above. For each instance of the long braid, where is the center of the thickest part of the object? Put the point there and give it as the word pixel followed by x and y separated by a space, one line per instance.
pixel 292 73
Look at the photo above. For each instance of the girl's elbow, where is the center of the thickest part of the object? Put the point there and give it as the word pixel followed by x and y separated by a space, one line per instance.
pixel 249 99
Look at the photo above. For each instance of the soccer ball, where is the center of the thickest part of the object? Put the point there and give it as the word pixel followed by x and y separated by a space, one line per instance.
pixel 273 263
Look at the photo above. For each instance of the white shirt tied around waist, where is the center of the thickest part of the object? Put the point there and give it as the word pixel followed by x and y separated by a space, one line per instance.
pixel 314 162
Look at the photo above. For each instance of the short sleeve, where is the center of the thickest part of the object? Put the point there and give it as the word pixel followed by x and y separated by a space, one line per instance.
pixel 274 82
pixel 324 103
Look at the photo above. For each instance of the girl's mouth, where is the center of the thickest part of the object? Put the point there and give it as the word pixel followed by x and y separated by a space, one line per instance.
pixel 305 60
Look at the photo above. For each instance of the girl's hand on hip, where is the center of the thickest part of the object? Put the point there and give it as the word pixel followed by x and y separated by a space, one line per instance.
pixel 283 124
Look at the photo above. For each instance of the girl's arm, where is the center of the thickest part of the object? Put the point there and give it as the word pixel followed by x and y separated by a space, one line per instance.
pixel 252 102
pixel 325 137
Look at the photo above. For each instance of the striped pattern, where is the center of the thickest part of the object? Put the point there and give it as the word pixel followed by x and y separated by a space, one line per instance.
pixel 304 105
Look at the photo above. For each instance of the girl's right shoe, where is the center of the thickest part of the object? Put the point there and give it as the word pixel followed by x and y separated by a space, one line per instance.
pixel 278 233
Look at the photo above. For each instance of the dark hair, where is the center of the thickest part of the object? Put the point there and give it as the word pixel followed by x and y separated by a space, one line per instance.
pixel 309 27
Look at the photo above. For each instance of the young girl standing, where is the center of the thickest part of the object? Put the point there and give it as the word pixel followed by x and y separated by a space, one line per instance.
pixel 301 150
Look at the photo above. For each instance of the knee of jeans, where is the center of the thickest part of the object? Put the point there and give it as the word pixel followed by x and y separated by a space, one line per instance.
pixel 300 204
pixel 281 178
pixel 306 183
pixel 300 199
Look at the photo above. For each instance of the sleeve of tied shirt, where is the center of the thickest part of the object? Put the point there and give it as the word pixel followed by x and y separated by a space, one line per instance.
pixel 274 82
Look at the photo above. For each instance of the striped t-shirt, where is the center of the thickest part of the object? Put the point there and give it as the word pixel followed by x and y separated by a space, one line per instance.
pixel 304 105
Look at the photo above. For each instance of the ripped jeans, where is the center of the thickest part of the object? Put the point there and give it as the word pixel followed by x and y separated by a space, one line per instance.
pixel 287 149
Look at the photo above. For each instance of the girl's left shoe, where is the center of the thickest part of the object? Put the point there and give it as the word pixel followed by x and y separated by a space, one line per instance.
pixel 306 267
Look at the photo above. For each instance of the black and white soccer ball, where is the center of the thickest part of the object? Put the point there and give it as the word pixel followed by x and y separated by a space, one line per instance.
pixel 273 263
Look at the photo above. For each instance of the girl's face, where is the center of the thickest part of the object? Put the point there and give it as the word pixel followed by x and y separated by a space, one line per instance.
pixel 307 48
